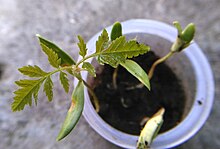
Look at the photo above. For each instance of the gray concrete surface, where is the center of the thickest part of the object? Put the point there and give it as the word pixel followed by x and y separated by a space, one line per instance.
pixel 61 21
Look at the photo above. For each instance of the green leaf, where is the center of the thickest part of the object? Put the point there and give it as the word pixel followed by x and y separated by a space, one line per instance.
pixel 178 27
pixel 87 66
pixel 136 71
pixel 25 83
pixel 184 37
pixel 23 95
pixel 102 41
pixel 35 93
pixel 82 47
pixel 119 50
pixel 32 71
pixel 48 88
pixel 66 60
pixel 188 33
pixel 111 59
pixel 53 58
pixel 113 54
pixel 29 83
pixel 64 81
pixel 132 49
pixel 116 31
pixel 74 112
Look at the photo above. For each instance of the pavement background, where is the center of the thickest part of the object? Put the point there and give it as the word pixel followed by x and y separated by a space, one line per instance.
pixel 60 21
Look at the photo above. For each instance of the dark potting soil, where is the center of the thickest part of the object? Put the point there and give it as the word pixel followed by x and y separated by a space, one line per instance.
pixel 124 108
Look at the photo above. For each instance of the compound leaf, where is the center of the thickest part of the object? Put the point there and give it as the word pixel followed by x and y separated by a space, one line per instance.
pixel 23 95
pixel 119 50
pixel 53 58
pixel 48 88
pixel 66 60
pixel 82 46
pixel 89 67
pixel 32 71
pixel 132 49
pixel 102 41
pixel 35 93
pixel 64 81
pixel 25 83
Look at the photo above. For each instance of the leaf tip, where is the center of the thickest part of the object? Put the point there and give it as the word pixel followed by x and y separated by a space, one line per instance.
pixel 13 109
pixel 59 138
pixel 38 36
pixel 149 87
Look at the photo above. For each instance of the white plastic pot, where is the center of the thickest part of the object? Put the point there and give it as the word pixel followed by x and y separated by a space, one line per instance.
pixel 197 115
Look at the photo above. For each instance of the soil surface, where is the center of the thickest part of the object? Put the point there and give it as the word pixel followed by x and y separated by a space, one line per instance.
pixel 125 107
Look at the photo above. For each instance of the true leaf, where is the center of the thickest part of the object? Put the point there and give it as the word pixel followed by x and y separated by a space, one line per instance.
pixel 89 68
pixel 102 41
pixel 129 49
pixel 113 55
pixel 74 112
pixel 132 49
pixel 119 50
pixel 116 31
pixel 66 60
pixel 35 93
pixel 48 88
pixel 26 83
pixel 23 95
pixel 29 83
pixel 82 47
pixel 32 71
pixel 136 71
pixel 116 45
pixel 112 59
pixel 64 81
pixel 53 58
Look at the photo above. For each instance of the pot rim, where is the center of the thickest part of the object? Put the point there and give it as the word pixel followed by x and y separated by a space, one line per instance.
pixel 198 114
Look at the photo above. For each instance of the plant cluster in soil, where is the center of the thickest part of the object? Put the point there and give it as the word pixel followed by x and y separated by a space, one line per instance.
pixel 126 107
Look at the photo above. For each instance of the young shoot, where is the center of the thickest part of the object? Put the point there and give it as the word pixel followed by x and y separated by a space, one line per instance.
pixel 113 52
pixel 153 125
pixel 183 40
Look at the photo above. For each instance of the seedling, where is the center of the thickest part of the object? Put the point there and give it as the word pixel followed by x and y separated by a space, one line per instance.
pixel 114 52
